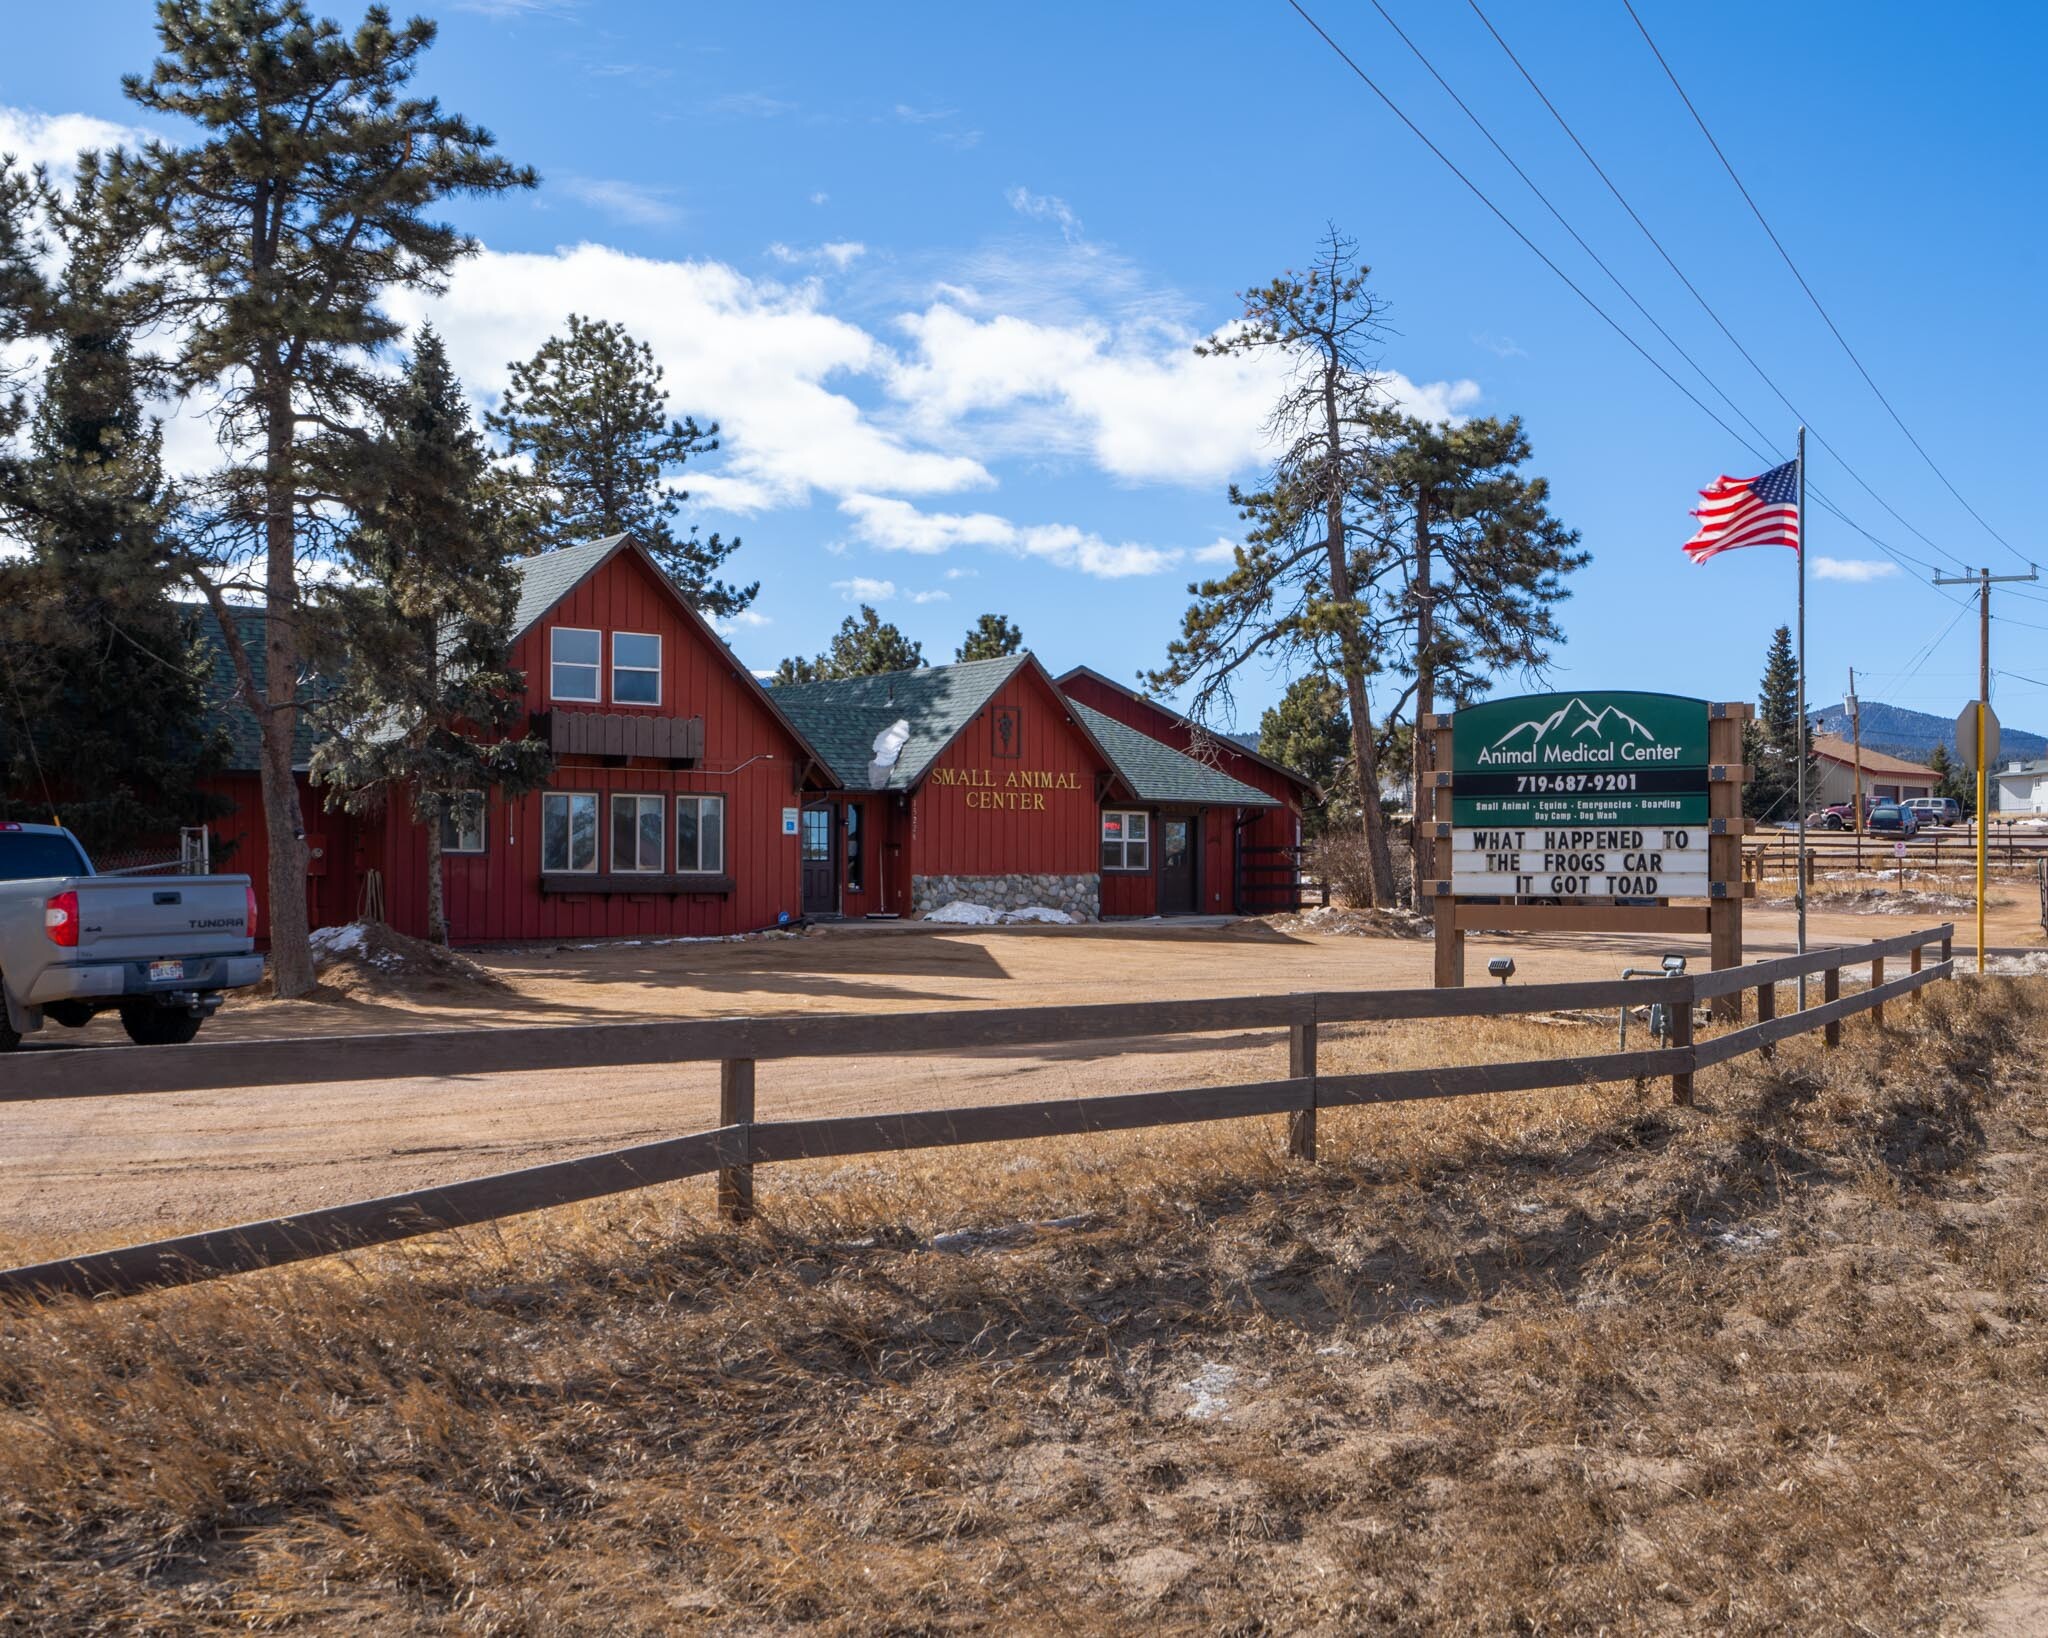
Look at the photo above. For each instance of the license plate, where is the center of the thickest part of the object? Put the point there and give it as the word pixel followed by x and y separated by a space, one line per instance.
pixel 166 972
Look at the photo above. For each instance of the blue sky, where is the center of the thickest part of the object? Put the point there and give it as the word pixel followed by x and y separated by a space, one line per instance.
pixel 938 271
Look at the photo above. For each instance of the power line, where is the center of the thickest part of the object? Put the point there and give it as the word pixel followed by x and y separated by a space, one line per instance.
pixel 1692 289
pixel 1833 329
pixel 1613 277
pixel 1571 284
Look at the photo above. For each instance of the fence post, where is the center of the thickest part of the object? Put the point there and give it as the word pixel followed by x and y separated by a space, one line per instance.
pixel 736 1108
pixel 1831 990
pixel 1877 978
pixel 1948 941
pixel 1680 1014
pixel 1919 995
pixel 1301 1062
pixel 1766 1010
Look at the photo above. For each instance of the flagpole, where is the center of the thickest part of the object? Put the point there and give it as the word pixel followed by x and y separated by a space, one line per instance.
pixel 1799 870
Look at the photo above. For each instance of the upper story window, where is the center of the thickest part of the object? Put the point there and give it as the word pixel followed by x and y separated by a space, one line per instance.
pixel 636 668
pixel 573 662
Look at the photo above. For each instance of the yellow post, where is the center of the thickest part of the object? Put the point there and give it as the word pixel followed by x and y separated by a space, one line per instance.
pixel 1982 794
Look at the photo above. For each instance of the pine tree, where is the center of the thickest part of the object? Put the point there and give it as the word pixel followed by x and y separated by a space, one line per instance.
pixel 1309 732
pixel 1297 593
pixel 417 639
pixel 866 646
pixel 1952 779
pixel 24 293
pixel 1771 741
pixel 102 671
pixel 587 412
pixel 993 637
pixel 278 230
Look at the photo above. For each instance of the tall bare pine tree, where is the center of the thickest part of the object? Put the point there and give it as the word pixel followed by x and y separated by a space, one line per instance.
pixel 1292 599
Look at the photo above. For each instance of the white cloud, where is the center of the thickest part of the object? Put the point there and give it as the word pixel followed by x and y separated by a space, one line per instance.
pixel 1045 207
pixel 961 574
pixel 896 526
pixel 1134 399
pixel 754 356
pixel 55 139
pixel 752 618
pixel 922 116
pixel 841 253
pixel 860 589
pixel 820 197
pixel 630 202
pixel 1855 570
pixel 931 597
pixel 1217 551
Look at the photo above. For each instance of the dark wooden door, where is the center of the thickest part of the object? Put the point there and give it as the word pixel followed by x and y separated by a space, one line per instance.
pixel 817 837
pixel 1179 841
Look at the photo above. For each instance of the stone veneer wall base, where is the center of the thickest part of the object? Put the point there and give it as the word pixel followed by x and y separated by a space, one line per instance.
pixel 1079 896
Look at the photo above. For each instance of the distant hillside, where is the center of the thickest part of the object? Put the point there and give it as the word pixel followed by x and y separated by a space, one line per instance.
pixel 1914 734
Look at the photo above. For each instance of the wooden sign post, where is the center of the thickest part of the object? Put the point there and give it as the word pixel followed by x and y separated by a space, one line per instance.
pixel 1593 813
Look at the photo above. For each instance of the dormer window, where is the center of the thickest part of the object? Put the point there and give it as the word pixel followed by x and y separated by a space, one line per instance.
pixel 573 657
pixel 636 668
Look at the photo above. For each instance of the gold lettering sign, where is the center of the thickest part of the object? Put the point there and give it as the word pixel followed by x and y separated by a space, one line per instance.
pixel 1016 790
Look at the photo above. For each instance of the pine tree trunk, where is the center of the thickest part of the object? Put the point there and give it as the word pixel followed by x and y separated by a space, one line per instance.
pixel 291 955
pixel 437 897
pixel 1365 756
pixel 1422 850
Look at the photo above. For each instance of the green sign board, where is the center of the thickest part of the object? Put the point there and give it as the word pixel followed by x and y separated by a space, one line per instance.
pixel 1567 760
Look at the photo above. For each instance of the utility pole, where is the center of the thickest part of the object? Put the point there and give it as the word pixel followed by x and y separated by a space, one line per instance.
pixel 1855 708
pixel 1983 580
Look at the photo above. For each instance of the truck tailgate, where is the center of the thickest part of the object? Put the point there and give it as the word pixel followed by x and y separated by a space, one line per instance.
pixel 129 917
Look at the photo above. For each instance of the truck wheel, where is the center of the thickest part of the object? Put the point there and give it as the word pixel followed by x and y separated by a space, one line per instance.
pixel 71 1014
pixel 151 1025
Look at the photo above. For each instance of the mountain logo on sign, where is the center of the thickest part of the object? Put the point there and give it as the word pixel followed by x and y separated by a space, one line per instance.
pixel 1575 717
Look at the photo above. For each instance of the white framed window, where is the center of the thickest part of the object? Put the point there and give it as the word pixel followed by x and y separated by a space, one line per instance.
pixel 1126 840
pixel 636 668
pixel 568 831
pixel 573 657
pixel 637 832
pixel 700 834
pixel 462 823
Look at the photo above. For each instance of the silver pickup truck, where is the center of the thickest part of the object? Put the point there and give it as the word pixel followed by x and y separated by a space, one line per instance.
pixel 160 950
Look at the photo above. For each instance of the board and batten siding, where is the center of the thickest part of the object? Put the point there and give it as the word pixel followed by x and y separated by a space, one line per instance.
pixel 962 827
pixel 749 759
pixel 241 846
pixel 1268 827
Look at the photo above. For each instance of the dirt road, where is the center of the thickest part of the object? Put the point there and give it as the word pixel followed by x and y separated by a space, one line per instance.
pixel 83 1172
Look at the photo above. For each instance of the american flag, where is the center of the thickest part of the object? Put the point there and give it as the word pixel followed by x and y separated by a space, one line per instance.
pixel 1761 511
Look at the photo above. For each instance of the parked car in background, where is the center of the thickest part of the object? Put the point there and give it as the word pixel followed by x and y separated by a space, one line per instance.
pixel 162 951
pixel 1936 810
pixel 1889 819
pixel 1839 816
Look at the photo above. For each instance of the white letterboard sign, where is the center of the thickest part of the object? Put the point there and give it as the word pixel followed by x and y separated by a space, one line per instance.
pixel 1616 862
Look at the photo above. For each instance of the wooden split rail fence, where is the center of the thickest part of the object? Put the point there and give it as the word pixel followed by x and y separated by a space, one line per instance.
pixel 741 1142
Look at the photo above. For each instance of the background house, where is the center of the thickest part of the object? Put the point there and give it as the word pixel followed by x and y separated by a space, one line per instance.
pixel 1886 778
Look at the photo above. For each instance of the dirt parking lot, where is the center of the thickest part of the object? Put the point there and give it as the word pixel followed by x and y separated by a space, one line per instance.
pixel 84 1172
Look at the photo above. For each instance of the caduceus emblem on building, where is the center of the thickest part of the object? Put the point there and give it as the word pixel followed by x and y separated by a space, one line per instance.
pixel 1006 731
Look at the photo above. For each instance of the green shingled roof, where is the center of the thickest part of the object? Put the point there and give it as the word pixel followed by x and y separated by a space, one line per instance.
pixel 546 579
pixel 1159 773
pixel 222 693
pixel 842 718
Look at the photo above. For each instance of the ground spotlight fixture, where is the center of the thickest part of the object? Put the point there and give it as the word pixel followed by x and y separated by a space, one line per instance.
pixel 1674 966
pixel 1501 967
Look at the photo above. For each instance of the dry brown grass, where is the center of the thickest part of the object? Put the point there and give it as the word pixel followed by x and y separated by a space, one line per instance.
pixel 1561 1362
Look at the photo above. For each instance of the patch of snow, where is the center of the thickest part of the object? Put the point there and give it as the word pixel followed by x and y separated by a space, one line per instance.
pixel 963 913
pixel 681 938
pixel 1039 912
pixel 2034 964
pixel 1211 1387
pixel 1746 1240
pixel 349 939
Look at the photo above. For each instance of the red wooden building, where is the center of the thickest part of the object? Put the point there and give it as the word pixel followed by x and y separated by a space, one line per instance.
pixel 1261 856
pixel 983 782
pixel 672 809
pixel 689 800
